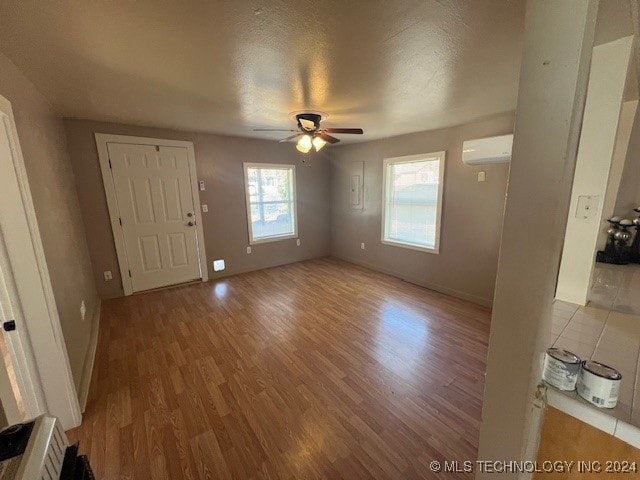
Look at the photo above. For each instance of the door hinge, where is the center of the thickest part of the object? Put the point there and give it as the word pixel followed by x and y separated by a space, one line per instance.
pixel 157 148
pixel 120 220
pixel 110 164
pixel 129 273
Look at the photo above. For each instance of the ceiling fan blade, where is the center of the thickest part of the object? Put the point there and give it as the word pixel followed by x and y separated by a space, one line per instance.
pixel 273 130
pixel 290 138
pixel 307 124
pixel 328 138
pixel 357 131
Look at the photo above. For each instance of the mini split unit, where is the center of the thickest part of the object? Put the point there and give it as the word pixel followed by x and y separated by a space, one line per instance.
pixel 482 151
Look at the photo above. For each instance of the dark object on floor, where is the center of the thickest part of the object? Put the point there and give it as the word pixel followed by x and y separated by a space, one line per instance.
pixel 76 467
pixel 634 251
pixel 615 251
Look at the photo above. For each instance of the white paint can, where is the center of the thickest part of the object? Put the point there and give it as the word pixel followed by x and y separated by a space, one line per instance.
pixel 599 384
pixel 561 368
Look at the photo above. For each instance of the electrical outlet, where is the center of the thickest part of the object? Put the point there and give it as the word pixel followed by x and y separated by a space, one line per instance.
pixel 298 242
pixel 108 276
pixel 205 208
pixel 248 249
pixel 83 309
pixel 362 246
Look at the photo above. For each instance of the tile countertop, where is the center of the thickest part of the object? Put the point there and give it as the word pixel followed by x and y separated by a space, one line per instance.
pixel 608 331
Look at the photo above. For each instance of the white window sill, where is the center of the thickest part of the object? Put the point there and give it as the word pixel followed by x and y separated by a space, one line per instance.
pixel 412 246
pixel 272 239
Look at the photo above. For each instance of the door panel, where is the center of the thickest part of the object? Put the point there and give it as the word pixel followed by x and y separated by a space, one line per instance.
pixel 178 249
pixel 141 200
pixel 150 252
pixel 153 189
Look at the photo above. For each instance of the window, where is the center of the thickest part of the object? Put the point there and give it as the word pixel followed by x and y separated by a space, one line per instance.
pixel 271 202
pixel 412 201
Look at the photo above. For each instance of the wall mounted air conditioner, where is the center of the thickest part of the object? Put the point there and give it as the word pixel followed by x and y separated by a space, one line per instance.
pixel 482 151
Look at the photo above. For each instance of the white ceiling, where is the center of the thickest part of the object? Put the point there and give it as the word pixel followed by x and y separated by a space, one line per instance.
pixel 388 66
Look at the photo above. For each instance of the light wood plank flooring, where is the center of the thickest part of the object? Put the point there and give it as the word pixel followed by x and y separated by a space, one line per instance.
pixel 319 369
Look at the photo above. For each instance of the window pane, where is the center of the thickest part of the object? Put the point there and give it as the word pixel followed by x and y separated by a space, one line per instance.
pixel 255 213
pixel 252 184
pixel 272 207
pixel 412 202
pixel 413 224
pixel 273 184
pixel 272 219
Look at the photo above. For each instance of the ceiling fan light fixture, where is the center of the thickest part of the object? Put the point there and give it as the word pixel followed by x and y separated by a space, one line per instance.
pixel 318 143
pixel 304 144
pixel 309 132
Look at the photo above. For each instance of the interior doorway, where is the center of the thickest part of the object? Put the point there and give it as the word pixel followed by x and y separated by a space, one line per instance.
pixel 35 375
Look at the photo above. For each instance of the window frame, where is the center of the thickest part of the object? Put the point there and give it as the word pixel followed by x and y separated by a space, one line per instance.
pixel 441 156
pixel 294 203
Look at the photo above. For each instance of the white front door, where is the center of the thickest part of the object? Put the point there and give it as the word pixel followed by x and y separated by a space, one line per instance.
pixel 153 190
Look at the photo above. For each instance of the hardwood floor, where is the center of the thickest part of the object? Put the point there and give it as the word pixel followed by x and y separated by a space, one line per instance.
pixel 319 369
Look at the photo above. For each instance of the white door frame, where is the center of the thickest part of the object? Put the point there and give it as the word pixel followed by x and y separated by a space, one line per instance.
pixel 37 346
pixel 102 139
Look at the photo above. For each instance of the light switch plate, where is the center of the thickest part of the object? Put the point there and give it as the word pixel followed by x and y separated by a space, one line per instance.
pixel 298 242
pixel 248 249
pixel 107 275
pixel 205 208
pixel 201 183
pixel 587 206
pixel 482 176
pixel 83 309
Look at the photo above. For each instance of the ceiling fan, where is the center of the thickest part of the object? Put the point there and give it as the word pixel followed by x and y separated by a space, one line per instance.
pixel 310 134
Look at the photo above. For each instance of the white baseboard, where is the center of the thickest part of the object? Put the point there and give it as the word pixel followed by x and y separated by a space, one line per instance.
pixel 90 357
pixel 421 283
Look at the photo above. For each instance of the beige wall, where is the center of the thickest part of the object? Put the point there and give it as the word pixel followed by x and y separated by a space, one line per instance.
pixel 629 192
pixel 467 262
pixel 623 137
pixel 471 215
pixel 52 184
pixel 219 162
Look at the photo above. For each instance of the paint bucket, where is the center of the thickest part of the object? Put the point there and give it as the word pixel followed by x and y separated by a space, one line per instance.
pixel 599 384
pixel 561 369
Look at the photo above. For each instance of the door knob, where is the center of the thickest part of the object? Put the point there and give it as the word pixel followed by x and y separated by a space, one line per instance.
pixel 191 224
pixel 190 214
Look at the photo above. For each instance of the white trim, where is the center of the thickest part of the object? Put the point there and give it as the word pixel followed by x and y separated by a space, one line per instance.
pixel 274 238
pixel 409 246
pixel 41 354
pixel 441 156
pixel 271 166
pixel 102 139
pixel 89 360
pixel 19 348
